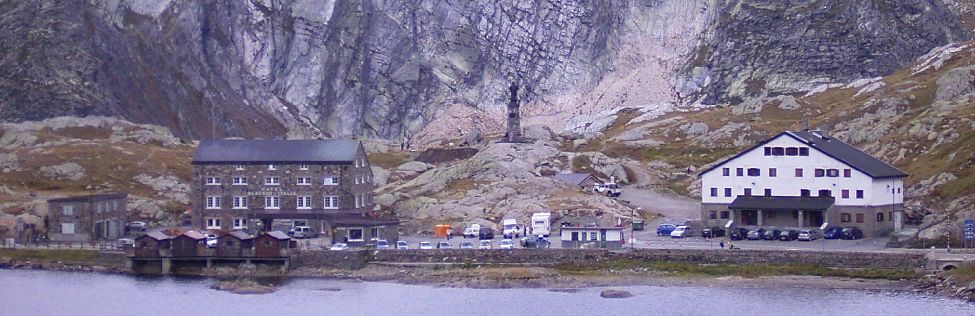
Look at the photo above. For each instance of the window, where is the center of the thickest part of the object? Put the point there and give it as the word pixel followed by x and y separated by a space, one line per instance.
pixel 880 217
pixel 593 236
pixel 332 180
pixel 803 151
pixel 845 217
pixel 240 181
pixel 791 151
pixel 772 172
pixel 240 223
pixel 712 214
pixel 714 191
pixel 725 172
pixel 213 202
pixel 374 233
pixel 725 214
pixel 304 181
pixel 240 202
pixel 213 223
pixel 832 173
pixel 239 167
pixel 67 228
pixel 67 210
pixel 859 217
pixel 272 167
pixel 272 202
pixel 740 172
pixel 825 193
pixel 356 179
pixel 845 194
pixel 820 173
pixel 890 216
pixel 272 180
pixel 331 202
pixel 804 193
pixel 358 200
pixel 575 236
pixel 727 192
pixel 748 192
pixel 302 167
pixel 859 194
pixel 768 192
pixel 754 172
pixel 778 151
pixel 847 173
pixel 355 234
pixel 304 202
pixel 213 181
pixel 768 151
pixel 798 172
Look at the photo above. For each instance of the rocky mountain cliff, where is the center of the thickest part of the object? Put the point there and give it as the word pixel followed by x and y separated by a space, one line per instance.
pixel 434 68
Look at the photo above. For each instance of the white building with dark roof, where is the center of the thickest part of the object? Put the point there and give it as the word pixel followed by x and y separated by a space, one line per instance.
pixel 802 180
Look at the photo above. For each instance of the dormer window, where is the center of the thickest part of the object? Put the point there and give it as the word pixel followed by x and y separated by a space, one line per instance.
pixel 272 167
pixel 239 167
pixel 302 167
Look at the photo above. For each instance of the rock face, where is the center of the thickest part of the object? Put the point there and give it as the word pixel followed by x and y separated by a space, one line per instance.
pixel 759 47
pixel 69 170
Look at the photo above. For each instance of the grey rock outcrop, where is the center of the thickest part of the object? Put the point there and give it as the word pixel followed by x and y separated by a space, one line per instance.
pixel 167 186
pixel 953 84
pixel 66 171
pixel 611 293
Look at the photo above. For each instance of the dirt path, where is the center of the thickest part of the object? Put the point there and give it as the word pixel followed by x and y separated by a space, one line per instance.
pixel 672 208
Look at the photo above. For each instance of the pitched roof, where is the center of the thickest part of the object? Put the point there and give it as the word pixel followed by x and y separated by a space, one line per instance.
pixel 781 203
pixel 278 235
pixel 574 178
pixel 91 198
pixel 275 150
pixel 850 155
pixel 834 148
pixel 193 234
pixel 157 235
pixel 239 235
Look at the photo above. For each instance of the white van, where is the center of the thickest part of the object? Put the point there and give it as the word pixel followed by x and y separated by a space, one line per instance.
pixel 510 228
pixel 541 224
pixel 303 232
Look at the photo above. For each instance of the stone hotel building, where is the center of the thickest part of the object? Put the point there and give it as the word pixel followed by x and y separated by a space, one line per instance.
pixel 324 184
pixel 803 180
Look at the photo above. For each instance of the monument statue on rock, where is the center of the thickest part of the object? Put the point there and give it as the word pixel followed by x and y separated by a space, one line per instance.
pixel 513 134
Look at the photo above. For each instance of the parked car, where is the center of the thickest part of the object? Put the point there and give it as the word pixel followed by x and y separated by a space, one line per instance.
pixel 382 244
pixel 808 235
pixel 756 234
pixel 125 243
pixel 443 245
pixel 852 233
pixel 402 245
pixel 302 232
pixel 610 189
pixel 486 233
pixel 833 233
pixel 738 233
pixel 712 232
pixel 485 244
pixel 681 232
pixel 426 245
pixel 339 246
pixel 136 226
pixel 506 244
pixel 466 245
pixel 211 240
pixel 472 231
pixel 789 235
pixel 534 242
pixel 665 229
pixel 772 234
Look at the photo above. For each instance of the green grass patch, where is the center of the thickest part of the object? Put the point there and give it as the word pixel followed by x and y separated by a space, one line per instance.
pixel 963 274
pixel 744 270
pixel 387 160
pixel 50 255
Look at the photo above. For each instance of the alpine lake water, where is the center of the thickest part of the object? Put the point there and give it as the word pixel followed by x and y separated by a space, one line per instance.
pixel 33 292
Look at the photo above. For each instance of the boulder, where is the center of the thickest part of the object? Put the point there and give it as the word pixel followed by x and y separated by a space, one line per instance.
pixel 611 293
pixel 14 138
pixel 69 170
pixel 538 132
pixel 8 160
pixel 166 186
pixel 693 129
pixel 380 176
pixel 414 166
pixel 243 287
pixel 951 85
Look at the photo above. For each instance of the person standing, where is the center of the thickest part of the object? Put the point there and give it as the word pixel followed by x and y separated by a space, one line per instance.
pixel 450 233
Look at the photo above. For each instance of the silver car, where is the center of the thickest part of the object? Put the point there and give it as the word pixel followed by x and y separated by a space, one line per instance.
pixel 808 235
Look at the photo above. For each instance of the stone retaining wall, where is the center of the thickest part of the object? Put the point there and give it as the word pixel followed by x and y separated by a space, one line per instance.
pixel 359 258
